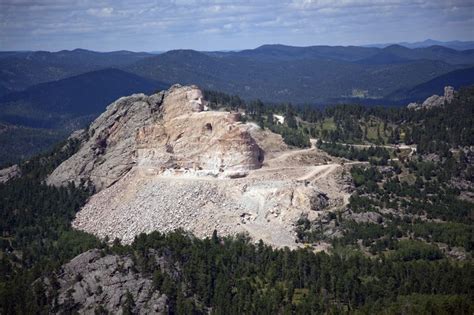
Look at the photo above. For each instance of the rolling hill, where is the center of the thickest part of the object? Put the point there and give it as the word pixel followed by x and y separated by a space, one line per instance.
pixel 20 70
pixel 440 53
pixel 53 104
pixel 277 73
pixel 457 79
pixel 357 54
pixel 281 79
pixel 454 44
pixel 34 119
pixel 283 52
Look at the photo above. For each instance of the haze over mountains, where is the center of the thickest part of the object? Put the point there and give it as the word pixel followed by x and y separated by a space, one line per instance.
pixel 283 73
pixel 19 70
pixel 64 90
pixel 315 75
pixel 454 44
pixel 54 104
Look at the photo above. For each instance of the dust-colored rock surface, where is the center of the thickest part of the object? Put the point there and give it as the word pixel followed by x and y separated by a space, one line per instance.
pixel 10 172
pixel 265 204
pixel 168 130
pixel 177 165
pixel 363 217
pixel 435 100
pixel 92 279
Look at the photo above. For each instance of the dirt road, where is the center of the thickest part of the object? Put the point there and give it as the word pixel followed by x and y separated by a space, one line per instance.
pixel 320 171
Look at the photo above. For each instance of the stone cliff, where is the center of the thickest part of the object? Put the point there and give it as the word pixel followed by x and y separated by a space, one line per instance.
pixel 435 100
pixel 167 131
pixel 164 162
pixel 94 278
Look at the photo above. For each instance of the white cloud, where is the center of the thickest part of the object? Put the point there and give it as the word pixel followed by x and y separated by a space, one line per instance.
pixel 103 12
pixel 226 24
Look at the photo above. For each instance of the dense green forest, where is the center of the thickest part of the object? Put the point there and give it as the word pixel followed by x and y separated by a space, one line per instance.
pixel 415 210
pixel 376 155
pixel 36 234
pixel 315 74
pixel 19 143
pixel 234 276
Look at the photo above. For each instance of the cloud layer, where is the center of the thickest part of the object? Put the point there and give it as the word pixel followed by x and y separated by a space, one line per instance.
pixel 147 25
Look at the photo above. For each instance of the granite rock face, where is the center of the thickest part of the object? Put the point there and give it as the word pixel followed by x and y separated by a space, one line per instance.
pixel 435 100
pixel 92 279
pixel 9 173
pixel 164 162
pixel 169 130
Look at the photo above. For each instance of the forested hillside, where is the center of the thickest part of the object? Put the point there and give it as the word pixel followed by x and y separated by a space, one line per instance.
pixel 456 79
pixel 301 80
pixel 35 119
pixel 314 74
pixel 433 131
pixel 403 244
pixel 52 104
pixel 20 70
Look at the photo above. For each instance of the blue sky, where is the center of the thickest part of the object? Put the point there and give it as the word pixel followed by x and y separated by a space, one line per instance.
pixel 145 25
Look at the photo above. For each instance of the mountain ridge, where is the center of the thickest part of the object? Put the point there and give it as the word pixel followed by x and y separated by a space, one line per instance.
pixel 67 97
pixel 299 80
pixel 45 113
pixel 454 44
pixel 457 79
pixel 20 70
pixel 272 72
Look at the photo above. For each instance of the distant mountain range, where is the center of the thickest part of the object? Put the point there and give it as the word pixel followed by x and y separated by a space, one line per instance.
pixel 316 75
pixel 455 44
pixel 38 117
pixel 62 91
pixel 19 70
pixel 456 79
pixel 59 104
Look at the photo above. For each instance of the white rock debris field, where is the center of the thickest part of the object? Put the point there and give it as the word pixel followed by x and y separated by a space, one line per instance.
pixel 163 162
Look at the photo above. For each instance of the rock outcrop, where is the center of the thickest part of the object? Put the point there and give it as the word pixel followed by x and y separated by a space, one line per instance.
pixel 93 279
pixel 435 100
pixel 164 162
pixel 363 217
pixel 165 131
pixel 9 173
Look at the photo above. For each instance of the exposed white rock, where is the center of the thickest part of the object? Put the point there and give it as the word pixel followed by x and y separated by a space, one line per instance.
pixel 162 162
pixel 9 173
pixel 413 105
pixel 168 130
pixel 448 94
pixel 364 217
pixel 279 118
pixel 435 100
pixel 93 278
